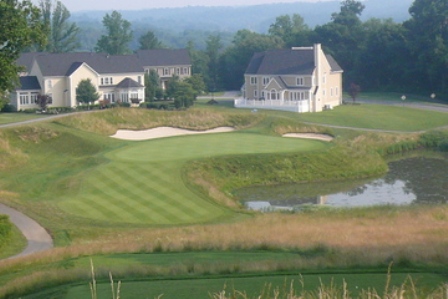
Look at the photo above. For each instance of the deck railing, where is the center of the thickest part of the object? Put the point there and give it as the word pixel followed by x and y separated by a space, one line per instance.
pixel 285 105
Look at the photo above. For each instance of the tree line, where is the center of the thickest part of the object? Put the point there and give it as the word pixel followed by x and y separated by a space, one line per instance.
pixel 376 54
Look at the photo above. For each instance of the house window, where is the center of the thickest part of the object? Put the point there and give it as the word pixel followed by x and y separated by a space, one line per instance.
pixel 336 91
pixel 300 81
pixel 124 97
pixel 166 71
pixel 324 79
pixel 134 95
pixel 178 71
pixel 109 96
pixel 263 95
pixel 255 94
pixel 266 80
pixel 253 80
pixel 107 81
pixel 274 95
pixel 24 99
pixel 33 97
pixel 49 84
pixel 186 71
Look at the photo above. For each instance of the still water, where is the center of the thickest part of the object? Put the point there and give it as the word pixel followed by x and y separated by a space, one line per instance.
pixel 409 181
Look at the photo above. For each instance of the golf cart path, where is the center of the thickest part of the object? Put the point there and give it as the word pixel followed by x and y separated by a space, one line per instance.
pixel 37 237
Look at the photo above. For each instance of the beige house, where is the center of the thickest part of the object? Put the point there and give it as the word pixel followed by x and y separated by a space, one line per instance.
pixel 117 78
pixel 301 79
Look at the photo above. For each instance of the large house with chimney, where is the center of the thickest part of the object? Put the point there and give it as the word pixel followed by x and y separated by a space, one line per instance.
pixel 300 79
pixel 117 78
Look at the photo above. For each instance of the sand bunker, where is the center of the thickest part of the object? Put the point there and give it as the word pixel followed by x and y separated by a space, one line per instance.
pixel 322 137
pixel 162 132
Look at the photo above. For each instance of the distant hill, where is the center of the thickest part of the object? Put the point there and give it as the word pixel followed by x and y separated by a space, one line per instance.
pixel 256 18
pixel 176 26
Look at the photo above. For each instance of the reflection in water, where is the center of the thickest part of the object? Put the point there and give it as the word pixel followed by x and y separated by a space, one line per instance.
pixel 414 180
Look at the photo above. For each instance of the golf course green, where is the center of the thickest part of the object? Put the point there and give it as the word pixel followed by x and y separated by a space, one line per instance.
pixel 142 182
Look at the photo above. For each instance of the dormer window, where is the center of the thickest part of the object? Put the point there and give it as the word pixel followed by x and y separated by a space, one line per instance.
pixel 300 81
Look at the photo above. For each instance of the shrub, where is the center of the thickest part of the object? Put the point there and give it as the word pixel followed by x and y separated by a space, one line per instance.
pixel 433 139
pixel 9 108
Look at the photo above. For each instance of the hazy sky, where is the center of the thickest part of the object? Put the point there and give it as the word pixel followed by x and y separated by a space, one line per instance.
pixel 79 5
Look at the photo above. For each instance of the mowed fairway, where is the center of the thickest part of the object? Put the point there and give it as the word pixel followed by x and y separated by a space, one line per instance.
pixel 143 184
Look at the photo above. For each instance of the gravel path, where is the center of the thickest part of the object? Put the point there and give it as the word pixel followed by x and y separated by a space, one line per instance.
pixel 37 237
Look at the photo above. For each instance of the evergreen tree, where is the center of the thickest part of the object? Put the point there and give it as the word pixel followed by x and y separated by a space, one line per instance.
pixel 86 92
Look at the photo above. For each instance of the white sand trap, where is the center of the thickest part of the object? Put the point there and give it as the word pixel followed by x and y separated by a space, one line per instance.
pixel 162 132
pixel 322 137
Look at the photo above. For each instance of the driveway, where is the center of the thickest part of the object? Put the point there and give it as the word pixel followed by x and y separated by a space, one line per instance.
pixel 37 237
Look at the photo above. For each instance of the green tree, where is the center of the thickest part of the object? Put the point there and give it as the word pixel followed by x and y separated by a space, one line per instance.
pixel 290 29
pixel 21 27
pixel 343 37
pixel 428 40
pixel 149 41
pixel 4 100
pixel 119 35
pixel 151 85
pixel 197 83
pixel 62 35
pixel 184 95
pixel 389 70
pixel 86 92
pixel 236 58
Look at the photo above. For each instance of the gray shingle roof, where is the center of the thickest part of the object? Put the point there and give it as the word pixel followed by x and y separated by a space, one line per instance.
pixel 61 64
pixel 128 83
pixel 282 62
pixel 164 57
pixel 29 83
pixel 26 60
pixel 333 64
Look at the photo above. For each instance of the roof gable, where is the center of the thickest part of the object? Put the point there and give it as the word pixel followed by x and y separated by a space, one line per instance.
pixel 128 83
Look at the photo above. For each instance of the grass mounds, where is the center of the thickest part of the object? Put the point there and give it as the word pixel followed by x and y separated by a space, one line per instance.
pixel 381 117
pixel 336 163
pixel 143 182
pixel 107 122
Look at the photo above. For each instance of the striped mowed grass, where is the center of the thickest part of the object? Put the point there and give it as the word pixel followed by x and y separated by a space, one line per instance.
pixel 142 183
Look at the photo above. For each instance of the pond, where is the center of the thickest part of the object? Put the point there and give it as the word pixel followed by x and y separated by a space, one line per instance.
pixel 409 181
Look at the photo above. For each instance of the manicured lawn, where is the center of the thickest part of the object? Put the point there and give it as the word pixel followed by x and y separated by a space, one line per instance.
pixel 6 118
pixel 380 117
pixel 143 182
